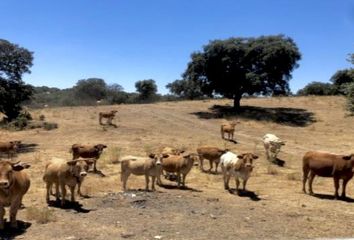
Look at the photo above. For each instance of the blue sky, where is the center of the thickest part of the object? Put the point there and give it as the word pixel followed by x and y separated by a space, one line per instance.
pixel 126 41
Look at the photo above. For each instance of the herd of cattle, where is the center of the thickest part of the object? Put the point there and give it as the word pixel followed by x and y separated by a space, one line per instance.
pixel 14 183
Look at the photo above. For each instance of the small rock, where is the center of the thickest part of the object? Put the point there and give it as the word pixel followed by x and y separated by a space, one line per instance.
pixel 212 216
pixel 303 205
pixel 158 237
pixel 70 238
pixel 133 195
pixel 127 234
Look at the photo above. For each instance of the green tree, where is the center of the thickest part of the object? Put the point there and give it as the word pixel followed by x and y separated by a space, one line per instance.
pixel 14 62
pixel 185 89
pixel 238 66
pixel 147 89
pixel 115 94
pixel 350 97
pixel 317 88
pixel 90 90
pixel 341 79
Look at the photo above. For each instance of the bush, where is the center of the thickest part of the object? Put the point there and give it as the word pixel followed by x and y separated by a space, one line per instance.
pixel 350 98
pixel 49 126
pixel 317 88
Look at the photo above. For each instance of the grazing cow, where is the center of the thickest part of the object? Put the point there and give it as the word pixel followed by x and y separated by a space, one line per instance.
pixel 10 147
pixel 63 173
pixel 272 145
pixel 88 151
pixel 148 166
pixel 212 154
pixel 326 164
pixel 13 186
pixel 228 128
pixel 109 115
pixel 239 166
pixel 179 164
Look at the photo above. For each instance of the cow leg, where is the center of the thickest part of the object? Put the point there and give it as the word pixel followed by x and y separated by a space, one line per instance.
pixel 237 183
pixel 305 171
pixel 2 213
pixel 244 184
pixel 201 161
pixel 63 193
pixel 184 179
pixel 178 179
pixel 216 166
pixel 336 187
pixel 159 173
pixel 210 165
pixel 226 181
pixel 15 205
pixel 79 189
pixel 345 181
pixel 311 177
pixel 153 179
pixel 94 166
pixel 57 192
pixel 72 191
pixel 147 182
pixel 49 190
pixel 124 178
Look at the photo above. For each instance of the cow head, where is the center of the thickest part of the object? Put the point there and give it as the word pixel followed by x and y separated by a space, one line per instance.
pixel 100 147
pixel 158 157
pixel 247 159
pixel 79 168
pixel 15 144
pixel 113 112
pixel 7 170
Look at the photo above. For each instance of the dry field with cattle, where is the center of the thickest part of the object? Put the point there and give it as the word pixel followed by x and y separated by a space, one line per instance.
pixel 274 207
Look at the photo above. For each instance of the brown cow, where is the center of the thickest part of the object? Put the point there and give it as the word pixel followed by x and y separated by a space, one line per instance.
pixel 63 173
pixel 148 166
pixel 10 147
pixel 88 151
pixel 109 115
pixel 213 154
pixel 13 186
pixel 326 164
pixel 228 128
pixel 239 166
pixel 179 164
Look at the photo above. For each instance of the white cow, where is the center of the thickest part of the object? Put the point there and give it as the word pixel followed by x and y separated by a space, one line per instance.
pixel 272 145
pixel 239 166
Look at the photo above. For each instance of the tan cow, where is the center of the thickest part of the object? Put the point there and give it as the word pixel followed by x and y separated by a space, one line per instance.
pixel 325 164
pixel 228 128
pixel 13 186
pixel 88 151
pixel 238 166
pixel 108 115
pixel 10 147
pixel 179 164
pixel 173 151
pixel 147 166
pixel 213 154
pixel 61 173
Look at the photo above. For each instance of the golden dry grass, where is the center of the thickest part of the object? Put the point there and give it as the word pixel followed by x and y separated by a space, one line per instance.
pixel 148 127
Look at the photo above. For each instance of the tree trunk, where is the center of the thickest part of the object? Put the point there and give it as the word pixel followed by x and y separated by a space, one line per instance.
pixel 237 100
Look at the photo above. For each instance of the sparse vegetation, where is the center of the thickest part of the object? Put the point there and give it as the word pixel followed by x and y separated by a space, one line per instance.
pixel 40 215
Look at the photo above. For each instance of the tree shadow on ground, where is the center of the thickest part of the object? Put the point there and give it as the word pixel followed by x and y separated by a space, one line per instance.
pixel 245 193
pixel 185 188
pixel 287 116
pixel 69 205
pixel 331 197
pixel 27 147
pixel 12 233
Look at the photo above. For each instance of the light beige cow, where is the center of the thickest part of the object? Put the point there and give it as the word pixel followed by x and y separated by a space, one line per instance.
pixel 229 129
pixel 61 173
pixel 147 166
pixel 14 183
pixel 272 145
pixel 213 154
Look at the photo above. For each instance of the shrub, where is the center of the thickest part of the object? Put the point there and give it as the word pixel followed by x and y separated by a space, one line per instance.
pixel 49 126
pixel 350 98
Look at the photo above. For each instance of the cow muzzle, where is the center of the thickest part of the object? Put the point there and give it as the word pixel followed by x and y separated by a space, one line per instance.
pixel 83 174
pixel 4 184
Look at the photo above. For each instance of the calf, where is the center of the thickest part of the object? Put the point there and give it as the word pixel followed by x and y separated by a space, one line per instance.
pixel 272 145
pixel 147 166
pixel 13 186
pixel 10 147
pixel 326 164
pixel 63 173
pixel 88 151
pixel 228 128
pixel 181 165
pixel 213 154
pixel 239 166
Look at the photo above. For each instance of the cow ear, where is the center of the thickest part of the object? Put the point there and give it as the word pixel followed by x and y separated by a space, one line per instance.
pixel 17 167
pixel 71 163
pixel 165 155
pixel 347 157
pixel 240 156
pixel 254 156
pixel 152 155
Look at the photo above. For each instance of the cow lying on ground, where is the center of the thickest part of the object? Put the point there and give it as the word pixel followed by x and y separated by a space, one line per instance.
pixel 213 154
pixel 63 173
pixel 179 164
pixel 13 186
pixel 88 151
pixel 238 166
pixel 326 164
pixel 272 145
pixel 147 166
pixel 10 148
pixel 228 128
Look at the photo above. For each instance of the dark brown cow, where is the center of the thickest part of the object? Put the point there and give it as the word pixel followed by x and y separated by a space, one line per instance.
pixel 13 186
pixel 213 154
pixel 88 151
pixel 327 165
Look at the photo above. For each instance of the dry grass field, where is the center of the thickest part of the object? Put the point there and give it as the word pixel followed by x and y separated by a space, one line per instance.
pixel 274 207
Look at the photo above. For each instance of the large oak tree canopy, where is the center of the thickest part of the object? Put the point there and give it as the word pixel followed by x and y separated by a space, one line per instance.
pixel 14 62
pixel 236 66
